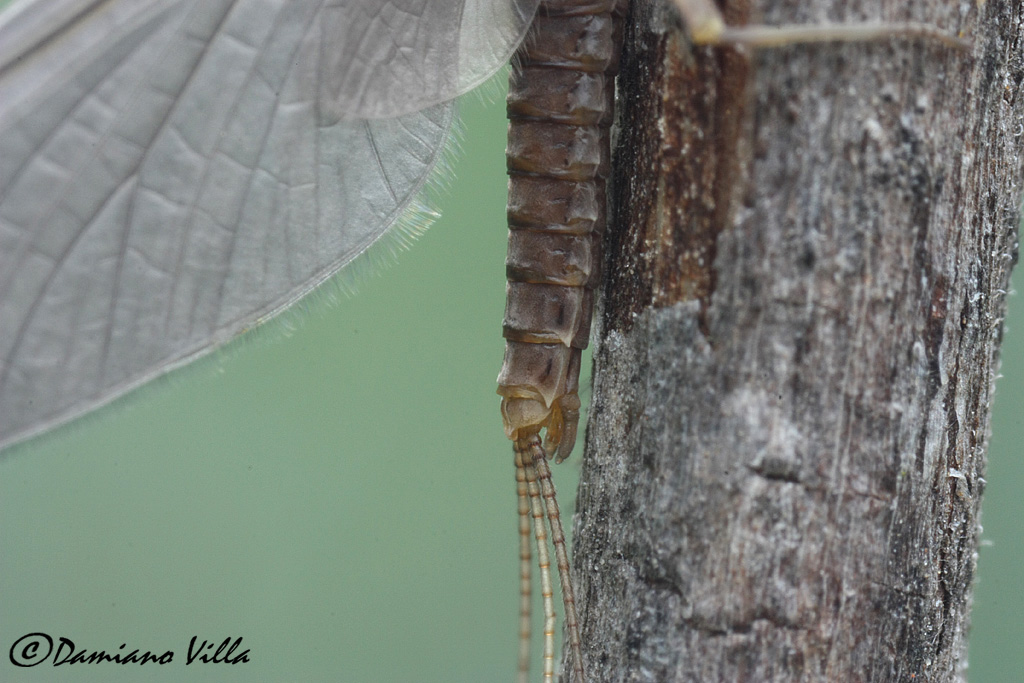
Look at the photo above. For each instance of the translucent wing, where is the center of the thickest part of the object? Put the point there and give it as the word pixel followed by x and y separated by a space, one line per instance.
pixel 172 172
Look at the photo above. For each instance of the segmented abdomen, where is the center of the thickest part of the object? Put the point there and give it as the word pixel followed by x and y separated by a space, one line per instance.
pixel 560 106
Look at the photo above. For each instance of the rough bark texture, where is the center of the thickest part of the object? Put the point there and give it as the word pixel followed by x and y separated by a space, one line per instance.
pixel 806 280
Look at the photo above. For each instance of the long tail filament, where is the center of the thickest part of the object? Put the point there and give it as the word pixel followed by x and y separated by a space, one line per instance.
pixel 533 484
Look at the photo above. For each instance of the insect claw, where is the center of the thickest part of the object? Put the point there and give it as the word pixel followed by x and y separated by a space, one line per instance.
pixel 570 410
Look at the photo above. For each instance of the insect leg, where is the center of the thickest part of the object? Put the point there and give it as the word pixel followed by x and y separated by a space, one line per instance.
pixel 707 27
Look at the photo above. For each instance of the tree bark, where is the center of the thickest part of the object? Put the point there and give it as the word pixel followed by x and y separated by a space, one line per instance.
pixel 805 283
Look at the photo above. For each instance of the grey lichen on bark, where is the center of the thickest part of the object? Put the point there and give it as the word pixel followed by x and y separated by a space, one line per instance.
pixel 806 275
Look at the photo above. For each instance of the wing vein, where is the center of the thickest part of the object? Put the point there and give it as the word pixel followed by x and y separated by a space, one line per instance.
pixel 119 269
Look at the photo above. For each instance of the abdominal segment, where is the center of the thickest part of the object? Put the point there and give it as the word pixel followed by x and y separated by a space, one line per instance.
pixel 560 108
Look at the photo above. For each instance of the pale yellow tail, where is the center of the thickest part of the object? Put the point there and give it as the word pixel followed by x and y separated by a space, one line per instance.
pixel 537 498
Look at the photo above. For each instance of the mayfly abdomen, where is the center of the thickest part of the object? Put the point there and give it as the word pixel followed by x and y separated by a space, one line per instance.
pixel 560 112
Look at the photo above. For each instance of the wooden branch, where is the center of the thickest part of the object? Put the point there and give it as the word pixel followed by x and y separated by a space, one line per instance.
pixel 806 279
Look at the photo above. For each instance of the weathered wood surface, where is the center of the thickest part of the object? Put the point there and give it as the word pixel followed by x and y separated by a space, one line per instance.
pixel 798 339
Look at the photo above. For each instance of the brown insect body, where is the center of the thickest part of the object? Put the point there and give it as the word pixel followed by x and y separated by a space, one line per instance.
pixel 560 110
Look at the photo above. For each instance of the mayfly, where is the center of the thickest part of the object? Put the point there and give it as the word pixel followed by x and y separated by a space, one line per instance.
pixel 175 172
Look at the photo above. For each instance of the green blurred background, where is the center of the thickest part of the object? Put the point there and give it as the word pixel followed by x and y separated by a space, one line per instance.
pixel 342 497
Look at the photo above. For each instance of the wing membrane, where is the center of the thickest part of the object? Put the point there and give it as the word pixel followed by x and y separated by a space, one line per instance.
pixel 173 172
